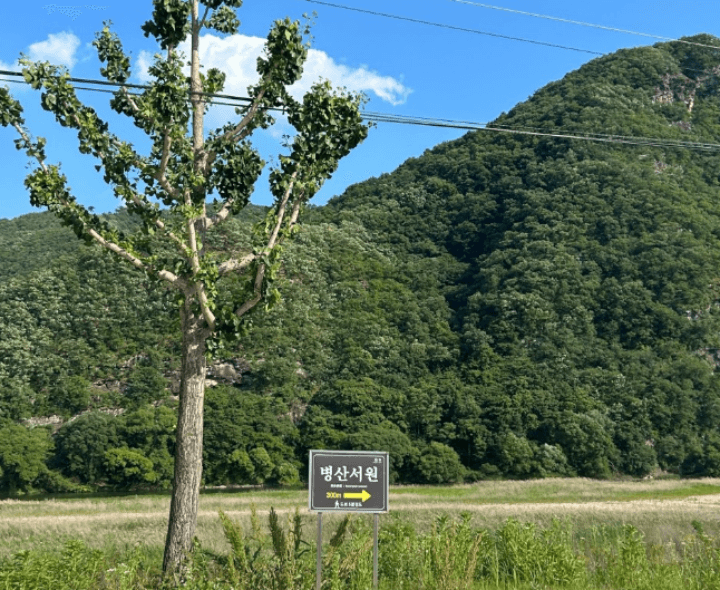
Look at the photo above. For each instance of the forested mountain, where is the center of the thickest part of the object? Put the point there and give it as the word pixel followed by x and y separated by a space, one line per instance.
pixel 504 305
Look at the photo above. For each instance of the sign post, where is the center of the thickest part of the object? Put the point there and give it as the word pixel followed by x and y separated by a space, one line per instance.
pixel 318 570
pixel 375 550
pixel 349 481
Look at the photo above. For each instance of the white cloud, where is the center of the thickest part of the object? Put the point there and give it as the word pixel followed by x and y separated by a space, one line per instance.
pixel 6 81
pixel 12 82
pixel 12 67
pixel 58 49
pixel 142 63
pixel 320 65
pixel 237 55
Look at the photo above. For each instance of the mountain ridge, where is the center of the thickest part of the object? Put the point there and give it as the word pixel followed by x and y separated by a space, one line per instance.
pixel 516 306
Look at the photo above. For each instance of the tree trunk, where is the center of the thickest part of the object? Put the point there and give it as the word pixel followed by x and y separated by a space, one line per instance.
pixel 189 442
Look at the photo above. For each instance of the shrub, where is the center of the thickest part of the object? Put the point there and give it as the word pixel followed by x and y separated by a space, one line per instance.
pixel 286 474
pixel 440 464
pixel 703 460
pixel 517 456
pixel 262 464
pixel 129 467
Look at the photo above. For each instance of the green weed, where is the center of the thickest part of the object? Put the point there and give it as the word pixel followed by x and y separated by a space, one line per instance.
pixel 453 555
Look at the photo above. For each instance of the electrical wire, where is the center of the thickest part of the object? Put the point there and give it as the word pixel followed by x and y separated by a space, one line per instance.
pixel 583 24
pixel 539 132
pixel 556 46
pixel 452 27
pixel 114 84
pixel 435 121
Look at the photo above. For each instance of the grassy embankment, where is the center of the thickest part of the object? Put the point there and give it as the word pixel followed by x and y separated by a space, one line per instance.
pixel 570 533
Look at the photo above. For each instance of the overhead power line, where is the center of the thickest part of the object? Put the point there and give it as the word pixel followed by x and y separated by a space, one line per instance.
pixel 583 24
pixel 539 132
pixel 452 27
pixel 377 117
pixel 521 39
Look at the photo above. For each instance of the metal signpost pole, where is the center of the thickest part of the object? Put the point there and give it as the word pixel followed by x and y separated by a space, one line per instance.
pixel 375 552
pixel 318 578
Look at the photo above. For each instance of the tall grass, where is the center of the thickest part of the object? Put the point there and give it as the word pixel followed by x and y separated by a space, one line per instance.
pixel 661 509
pixel 453 555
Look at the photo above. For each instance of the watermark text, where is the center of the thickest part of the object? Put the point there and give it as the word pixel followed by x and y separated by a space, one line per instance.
pixel 72 11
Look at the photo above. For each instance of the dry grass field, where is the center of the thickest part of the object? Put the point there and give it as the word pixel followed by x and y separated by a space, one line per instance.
pixel 662 509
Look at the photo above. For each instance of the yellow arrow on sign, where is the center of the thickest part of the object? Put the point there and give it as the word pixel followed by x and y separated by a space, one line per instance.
pixel 359 495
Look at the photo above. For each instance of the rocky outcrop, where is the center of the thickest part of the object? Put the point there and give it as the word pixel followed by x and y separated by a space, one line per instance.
pixel 227 372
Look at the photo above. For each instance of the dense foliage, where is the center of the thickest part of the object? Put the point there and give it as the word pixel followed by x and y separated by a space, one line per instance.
pixel 503 305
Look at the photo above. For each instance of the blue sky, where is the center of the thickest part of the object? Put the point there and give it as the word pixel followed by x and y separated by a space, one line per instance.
pixel 405 68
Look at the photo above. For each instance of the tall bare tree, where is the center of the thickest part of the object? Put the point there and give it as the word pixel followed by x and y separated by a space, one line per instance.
pixel 169 188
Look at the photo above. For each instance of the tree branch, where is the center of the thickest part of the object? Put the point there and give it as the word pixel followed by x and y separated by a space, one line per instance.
pixel 161 225
pixel 167 142
pixel 281 213
pixel 234 265
pixel 295 213
pixel 259 277
pixel 219 217
pixel 136 262
pixel 137 161
pixel 257 290
pixel 160 172
pixel 205 307
pixel 140 165
pixel 105 243
pixel 240 127
pixel 236 134
pixel 133 105
pixel 204 16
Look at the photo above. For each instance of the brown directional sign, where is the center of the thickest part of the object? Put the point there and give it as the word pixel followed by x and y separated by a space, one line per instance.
pixel 349 481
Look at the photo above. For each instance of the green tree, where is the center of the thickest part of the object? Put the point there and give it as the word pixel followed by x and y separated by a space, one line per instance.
pixel 286 474
pixel 440 464
pixel 146 384
pixel 263 465
pixel 80 446
pixel 16 398
pixel 385 436
pixel 129 467
pixel 71 395
pixel 238 422
pixel 23 453
pixel 241 466
pixel 703 460
pixel 518 456
pixel 152 432
pixel 182 172
pixel 587 443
